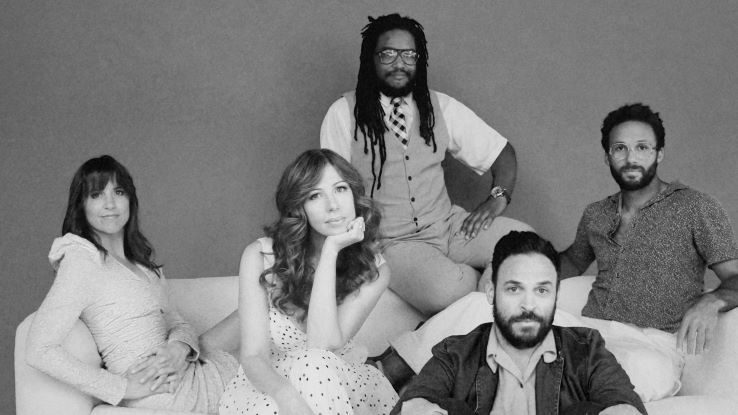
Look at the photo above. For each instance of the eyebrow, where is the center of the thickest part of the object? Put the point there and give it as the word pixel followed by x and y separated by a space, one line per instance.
pixel 314 189
pixel 515 282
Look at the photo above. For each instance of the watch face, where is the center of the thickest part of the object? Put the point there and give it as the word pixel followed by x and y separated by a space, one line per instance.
pixel 499 191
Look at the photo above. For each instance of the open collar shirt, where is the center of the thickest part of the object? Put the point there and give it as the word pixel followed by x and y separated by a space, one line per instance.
pixel 656 272
pixel 516 390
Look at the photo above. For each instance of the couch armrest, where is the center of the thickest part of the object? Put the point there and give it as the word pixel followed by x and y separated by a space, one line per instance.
pixel 39 394
pixel 715 372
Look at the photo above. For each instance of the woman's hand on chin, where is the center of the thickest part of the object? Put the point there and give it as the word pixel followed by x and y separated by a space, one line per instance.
pixel 354 233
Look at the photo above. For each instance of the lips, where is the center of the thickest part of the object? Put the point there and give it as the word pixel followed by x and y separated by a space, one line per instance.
pixel 398 74
pixel 335 220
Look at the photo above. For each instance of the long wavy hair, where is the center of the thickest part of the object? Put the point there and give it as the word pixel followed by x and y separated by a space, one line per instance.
pixel 368 110
pixel 293 270
pixel 91 177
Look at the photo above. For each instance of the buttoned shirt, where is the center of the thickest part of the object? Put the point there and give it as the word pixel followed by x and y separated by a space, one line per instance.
pixel 516 390
pixel 656 272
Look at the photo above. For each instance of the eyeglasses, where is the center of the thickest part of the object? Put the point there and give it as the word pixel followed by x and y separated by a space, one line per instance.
pixel 620 151
pixel 389 55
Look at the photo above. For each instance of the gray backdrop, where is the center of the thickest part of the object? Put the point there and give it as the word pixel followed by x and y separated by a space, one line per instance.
pixel 205 103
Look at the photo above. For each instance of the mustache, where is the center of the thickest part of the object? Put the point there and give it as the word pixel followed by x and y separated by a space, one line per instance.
pixel 632 167
pixel 526 315
pixel 402 71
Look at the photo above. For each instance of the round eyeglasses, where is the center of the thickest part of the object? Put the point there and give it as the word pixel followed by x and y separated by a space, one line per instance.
pixel 620 151
pixel 389 55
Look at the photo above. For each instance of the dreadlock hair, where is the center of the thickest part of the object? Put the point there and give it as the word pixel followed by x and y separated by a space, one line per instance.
pixel 368 111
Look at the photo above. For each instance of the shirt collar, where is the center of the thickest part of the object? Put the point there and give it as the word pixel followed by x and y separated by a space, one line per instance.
pixel 547 348
pixel 617 198
pixel 386 101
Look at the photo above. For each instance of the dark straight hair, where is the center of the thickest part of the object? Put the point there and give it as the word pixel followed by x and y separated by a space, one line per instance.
pixel 91 177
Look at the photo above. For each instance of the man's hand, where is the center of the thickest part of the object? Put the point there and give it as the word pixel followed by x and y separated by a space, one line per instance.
pixel 698 325
pixel 165 365
pixel 420 406
pixel 622 409
pixel 482 216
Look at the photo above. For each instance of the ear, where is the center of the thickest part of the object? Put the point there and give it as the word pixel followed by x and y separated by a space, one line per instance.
pixel 490 291
pixel 660 155
pixel 607 159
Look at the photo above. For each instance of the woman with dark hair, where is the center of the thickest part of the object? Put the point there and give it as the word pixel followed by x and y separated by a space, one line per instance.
pixel 106 276
pixel 305 290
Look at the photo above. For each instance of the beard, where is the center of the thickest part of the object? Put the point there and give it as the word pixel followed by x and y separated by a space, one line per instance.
pixel 647 176
pixel 392 91
pixel 528 337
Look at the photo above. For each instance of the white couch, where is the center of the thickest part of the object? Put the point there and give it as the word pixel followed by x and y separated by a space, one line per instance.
pixel 710 382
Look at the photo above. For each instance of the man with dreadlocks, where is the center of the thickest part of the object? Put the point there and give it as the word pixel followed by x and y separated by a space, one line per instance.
pixel 396 132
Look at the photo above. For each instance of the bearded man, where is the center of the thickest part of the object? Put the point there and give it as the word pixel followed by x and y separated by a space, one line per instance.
pixel 522 364
pixel 652 242
pixel 396 132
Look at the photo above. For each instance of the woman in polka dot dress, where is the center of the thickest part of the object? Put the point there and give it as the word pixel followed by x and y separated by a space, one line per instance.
pixel 305 290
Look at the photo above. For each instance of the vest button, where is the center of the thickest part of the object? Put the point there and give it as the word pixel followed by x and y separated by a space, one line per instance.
pixel 412 199
pixel 415 219
pixel 407 157
pixel 409 178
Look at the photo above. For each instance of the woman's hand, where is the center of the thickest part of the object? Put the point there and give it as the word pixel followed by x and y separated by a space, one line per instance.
pixel 354 233
pixel 165 366
pixel 137 388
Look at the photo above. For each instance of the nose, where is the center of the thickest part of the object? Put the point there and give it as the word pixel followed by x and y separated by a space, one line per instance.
pixel 332 202
pixel 528 301
pixel 631 155
pixel 398 63
pixel 109 200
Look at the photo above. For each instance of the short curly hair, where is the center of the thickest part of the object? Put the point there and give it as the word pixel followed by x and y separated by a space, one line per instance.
pixel 633 112
pixel 520 243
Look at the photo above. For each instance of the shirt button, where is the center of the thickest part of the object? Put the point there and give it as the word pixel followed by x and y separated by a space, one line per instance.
pixel 412 199
pixel 409 178
pixel 415 219
pixel 407 157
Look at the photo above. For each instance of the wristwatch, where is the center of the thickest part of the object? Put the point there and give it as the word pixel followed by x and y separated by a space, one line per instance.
pixel 499 191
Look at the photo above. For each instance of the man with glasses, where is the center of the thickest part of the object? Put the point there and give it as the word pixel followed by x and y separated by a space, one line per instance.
pixel 652 242
pixel 396 132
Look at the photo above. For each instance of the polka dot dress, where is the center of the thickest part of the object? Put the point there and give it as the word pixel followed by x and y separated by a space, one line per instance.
pixel 330 383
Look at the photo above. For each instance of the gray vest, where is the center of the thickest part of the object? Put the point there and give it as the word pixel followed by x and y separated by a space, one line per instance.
pixel 413 194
